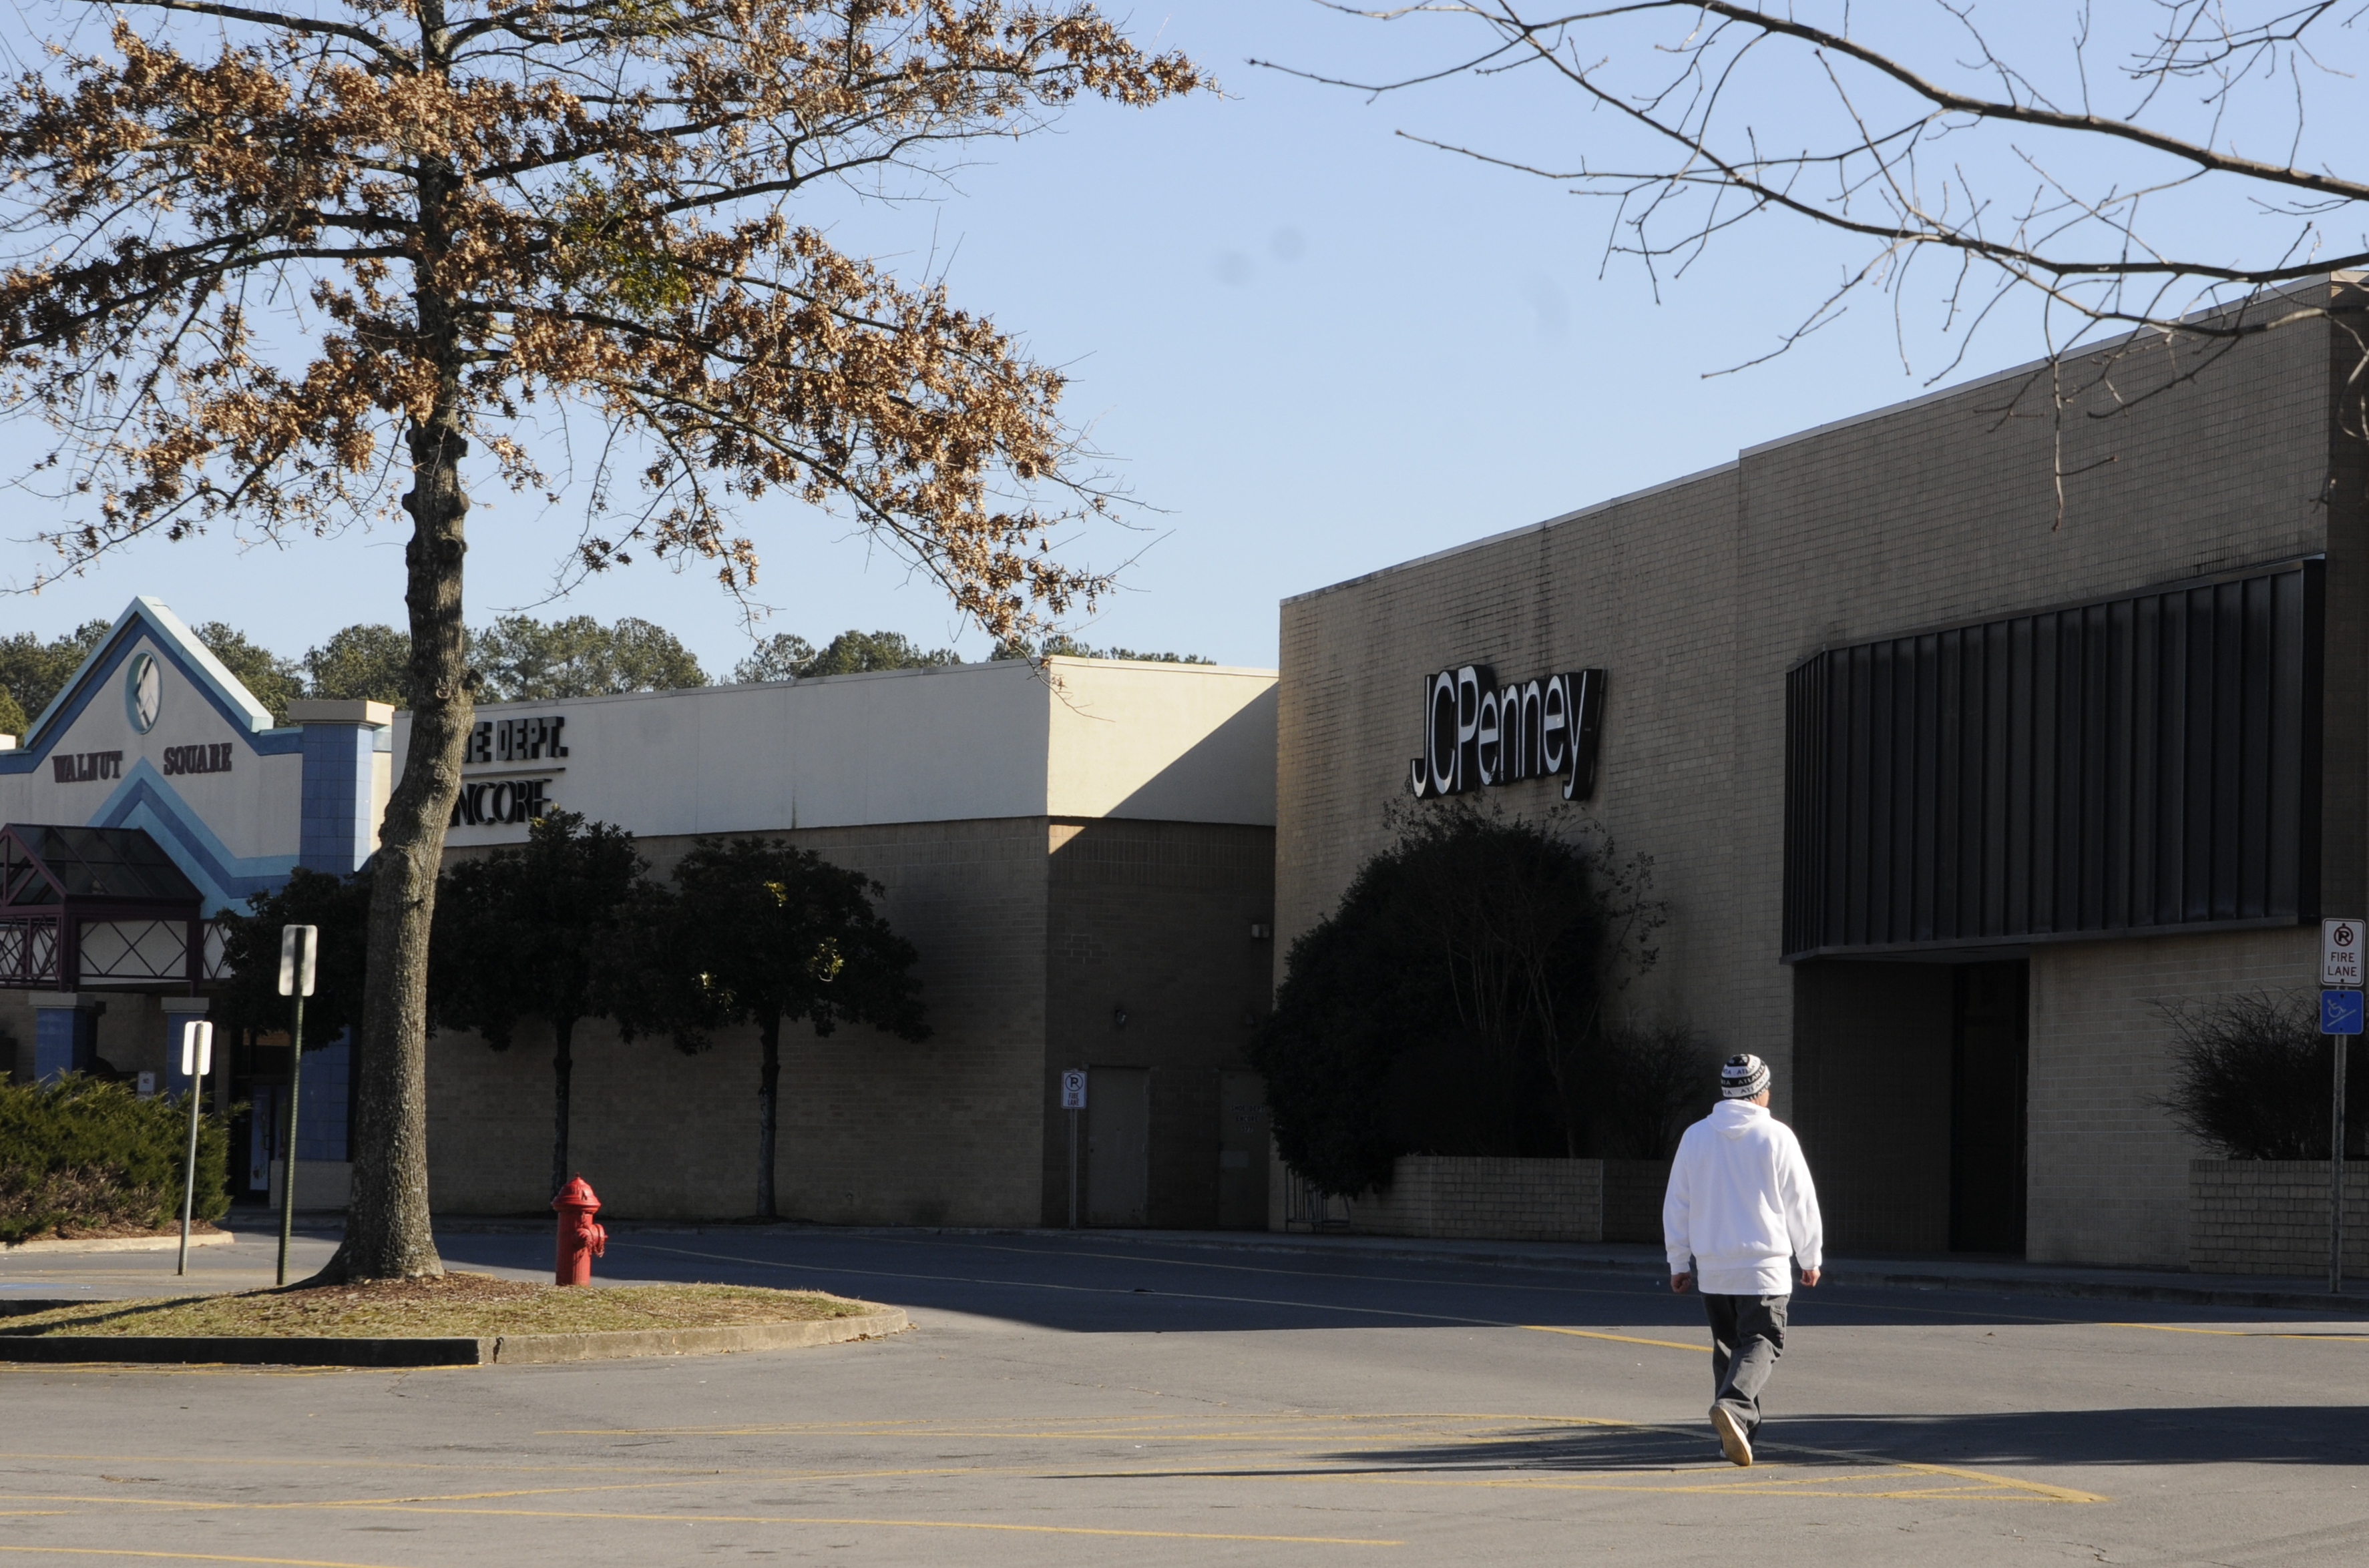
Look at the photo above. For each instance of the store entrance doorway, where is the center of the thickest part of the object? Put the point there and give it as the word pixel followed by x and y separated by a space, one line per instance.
pixel 1989 1069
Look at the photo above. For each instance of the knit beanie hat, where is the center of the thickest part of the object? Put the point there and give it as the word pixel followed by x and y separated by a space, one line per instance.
pixel 1743 1077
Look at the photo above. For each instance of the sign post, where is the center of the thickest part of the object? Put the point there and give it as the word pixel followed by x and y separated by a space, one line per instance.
pixel 2340 941
pixel 1073 1100
pixel 197 1060
pixel 297 946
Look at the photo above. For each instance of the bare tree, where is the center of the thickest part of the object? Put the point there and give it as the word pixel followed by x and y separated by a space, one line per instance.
pixel 2158 186
pixel 276 262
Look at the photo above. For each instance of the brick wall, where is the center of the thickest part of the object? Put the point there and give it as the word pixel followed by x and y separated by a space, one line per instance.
pixel 1030 933
pixel 1698 596
pixel 1633 1190
pixel 2270 1217
pixel 1473 1198
pixel 2108 1170
pixel 1154 919
pixel 874 1130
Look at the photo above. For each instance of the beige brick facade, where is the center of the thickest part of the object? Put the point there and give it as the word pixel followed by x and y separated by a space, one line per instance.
pixel 1699 596
pixel 2270 1217
pixel 1027 929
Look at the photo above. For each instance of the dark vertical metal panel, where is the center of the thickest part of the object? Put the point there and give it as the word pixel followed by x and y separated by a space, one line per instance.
pixel 1926 814
pixel 2046 649
pixel 1998 648
pixel 2146 715
pixel 2229 743
pixel 1950 812
pixel 2086 867
pixel 2171 848
pixel 1882 759
pixel 2017 917
pixel 2136 763
pixel 2196 898
pixel 2114 776
pixel 2311 779
pixel 1835 923
pixel 2255 709
pixel 1904 791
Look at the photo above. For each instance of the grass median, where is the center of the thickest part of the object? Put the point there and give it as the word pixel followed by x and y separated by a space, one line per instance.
pixel 455 1305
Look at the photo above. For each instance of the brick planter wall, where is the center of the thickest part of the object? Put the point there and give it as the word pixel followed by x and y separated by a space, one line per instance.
pixel 1633 1190
pixel 1485 1199
pixel 2270 1217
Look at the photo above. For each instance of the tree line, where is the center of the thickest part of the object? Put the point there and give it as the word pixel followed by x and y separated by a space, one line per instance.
pixel 571 927
pixel 517 659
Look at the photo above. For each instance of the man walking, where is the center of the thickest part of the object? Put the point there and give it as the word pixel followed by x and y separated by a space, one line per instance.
pixel 1740 1208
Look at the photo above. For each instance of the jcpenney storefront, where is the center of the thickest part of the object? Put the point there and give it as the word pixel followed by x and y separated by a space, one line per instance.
pixel 1950 802
pixel 1083 855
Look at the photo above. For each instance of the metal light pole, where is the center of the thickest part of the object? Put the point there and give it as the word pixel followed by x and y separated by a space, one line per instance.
pixel 298 945
pixel 197 1060
pixel 2336 1174
pixel 1073 1100
pixel 2342 945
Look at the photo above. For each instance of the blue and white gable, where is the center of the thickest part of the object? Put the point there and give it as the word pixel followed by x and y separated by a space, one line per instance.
pixel 153 732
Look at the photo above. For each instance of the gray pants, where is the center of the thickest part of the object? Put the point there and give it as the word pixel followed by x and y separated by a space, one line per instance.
pixel 1747 1334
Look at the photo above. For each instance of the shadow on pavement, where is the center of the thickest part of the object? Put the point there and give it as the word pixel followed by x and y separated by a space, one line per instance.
pixel 1090 1286
pixel 2307 1435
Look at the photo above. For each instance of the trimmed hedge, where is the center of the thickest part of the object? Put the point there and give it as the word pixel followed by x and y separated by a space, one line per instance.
pixel 84 1154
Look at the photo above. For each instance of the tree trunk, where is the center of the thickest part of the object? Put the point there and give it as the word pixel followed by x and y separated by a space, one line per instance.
pixel 563 1069
pixel 388 1233
pixel 768 1099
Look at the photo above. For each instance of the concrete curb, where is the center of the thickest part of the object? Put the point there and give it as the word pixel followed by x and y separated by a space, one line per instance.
pixel 506 1350
pixel 116 1243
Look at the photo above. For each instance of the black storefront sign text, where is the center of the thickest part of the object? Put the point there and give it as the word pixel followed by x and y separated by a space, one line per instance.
pixel 536 739
pixel 82 767
pixel 209 758
pixel 490 804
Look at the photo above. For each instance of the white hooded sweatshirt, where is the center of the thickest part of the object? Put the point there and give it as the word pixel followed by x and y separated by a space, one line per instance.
pixel 1740 1204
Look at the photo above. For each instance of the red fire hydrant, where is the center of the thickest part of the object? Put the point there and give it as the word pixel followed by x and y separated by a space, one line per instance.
pixel 581 1238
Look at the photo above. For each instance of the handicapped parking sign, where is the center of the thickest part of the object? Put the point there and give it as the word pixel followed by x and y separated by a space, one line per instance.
pixel 2339 1012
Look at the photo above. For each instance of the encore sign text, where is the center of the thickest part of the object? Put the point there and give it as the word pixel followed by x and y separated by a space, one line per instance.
pixel 1478 733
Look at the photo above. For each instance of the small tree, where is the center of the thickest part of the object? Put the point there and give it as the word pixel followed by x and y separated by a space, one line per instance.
pixel 531 933
pixel 777 933
pixel 1477 947
pixel 339 906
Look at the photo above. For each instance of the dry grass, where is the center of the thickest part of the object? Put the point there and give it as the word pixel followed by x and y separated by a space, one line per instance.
pixel 458 1305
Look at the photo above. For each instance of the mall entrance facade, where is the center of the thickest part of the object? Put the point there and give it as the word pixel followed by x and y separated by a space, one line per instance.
pixel 1970 741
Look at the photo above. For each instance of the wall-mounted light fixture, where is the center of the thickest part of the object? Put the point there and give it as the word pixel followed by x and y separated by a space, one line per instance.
pixel 1118 1017
pixel 1260 931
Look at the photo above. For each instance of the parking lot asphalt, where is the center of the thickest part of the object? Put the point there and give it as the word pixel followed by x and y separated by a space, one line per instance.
pixel 1076 1398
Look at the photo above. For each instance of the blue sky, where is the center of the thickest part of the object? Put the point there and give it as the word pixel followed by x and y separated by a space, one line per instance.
pixel 1310 346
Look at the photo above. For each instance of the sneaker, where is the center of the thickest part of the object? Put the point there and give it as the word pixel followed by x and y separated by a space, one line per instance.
pixel 1732 1439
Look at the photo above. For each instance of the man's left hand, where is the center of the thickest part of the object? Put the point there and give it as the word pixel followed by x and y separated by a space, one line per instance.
pixel 1810 1277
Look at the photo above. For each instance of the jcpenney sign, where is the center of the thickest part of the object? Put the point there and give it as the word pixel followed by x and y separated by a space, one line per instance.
pixel 1478 733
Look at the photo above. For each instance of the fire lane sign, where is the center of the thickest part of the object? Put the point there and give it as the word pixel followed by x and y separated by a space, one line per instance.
pixel 1074 1090
pixel 2340 952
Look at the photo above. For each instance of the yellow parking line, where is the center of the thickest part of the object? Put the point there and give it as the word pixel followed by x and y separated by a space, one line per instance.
pixel 1623 1338
pixel 2244 1333
pixel 188 1556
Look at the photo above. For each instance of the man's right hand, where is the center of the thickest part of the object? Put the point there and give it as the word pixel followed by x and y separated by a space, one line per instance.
pixel 1678 1282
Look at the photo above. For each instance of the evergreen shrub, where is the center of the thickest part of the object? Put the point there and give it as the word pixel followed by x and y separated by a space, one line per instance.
pixel 82 1154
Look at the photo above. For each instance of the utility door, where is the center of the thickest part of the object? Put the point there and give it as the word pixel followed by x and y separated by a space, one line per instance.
pixel 1241 1150
pixel 1118 1145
